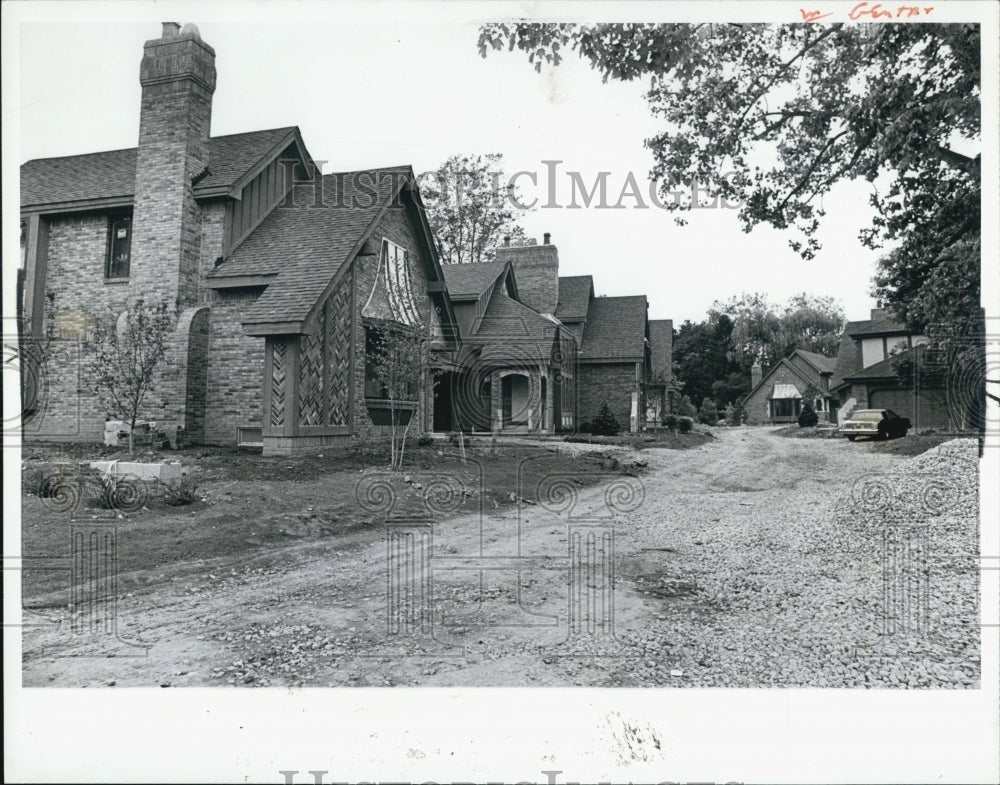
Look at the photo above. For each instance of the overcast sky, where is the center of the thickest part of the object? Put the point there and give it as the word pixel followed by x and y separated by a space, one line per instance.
pixel 380 85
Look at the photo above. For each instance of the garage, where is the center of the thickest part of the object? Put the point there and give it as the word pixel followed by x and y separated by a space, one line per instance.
pixel 925 410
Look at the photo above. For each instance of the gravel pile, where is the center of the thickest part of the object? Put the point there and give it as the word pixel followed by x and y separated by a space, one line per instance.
pixel 877 588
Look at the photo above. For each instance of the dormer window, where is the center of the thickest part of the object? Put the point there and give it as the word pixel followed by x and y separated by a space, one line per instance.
pixel 119 246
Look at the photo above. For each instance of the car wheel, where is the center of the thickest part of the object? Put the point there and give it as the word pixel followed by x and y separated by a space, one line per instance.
pixel 851 438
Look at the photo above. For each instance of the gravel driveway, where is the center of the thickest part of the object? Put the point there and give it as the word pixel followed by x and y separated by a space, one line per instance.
pixel 753 560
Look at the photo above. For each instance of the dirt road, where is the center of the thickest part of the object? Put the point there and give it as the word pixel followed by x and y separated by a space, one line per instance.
pixel 737 563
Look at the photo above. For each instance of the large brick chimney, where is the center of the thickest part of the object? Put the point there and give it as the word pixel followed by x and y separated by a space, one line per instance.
pixel 177 75
pixel 536 269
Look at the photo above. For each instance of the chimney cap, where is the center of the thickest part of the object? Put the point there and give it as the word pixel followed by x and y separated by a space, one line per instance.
pixel 170 29
pixel 506 241
pixel 546 238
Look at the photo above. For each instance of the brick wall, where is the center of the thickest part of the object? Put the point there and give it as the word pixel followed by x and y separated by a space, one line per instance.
pixel 235 370
pixel 177 74
pixel 756 405
pixel 213 227
pixel 397 227
pixel 610 382
pixel 536 270
pixel 77 250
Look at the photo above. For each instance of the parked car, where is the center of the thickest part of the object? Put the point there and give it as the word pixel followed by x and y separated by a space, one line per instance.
pixel 875 424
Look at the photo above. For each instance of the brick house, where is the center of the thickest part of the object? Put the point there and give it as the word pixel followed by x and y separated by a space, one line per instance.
pixel 283 280
pixel 541 351
pixel 867 375
pixel 779 395
pixel 275 298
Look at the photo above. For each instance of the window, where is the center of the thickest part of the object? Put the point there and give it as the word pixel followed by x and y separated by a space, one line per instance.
pixel 119 246
pixel 392 363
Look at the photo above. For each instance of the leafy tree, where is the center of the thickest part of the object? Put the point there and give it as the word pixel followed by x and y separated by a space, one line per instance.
pixel 708 413
pixel 701 356
pixel 605 423
pixel 398 357
pixel 761 332
pixel 685 408
pixel 127 353
pixel 470 209
pixel 787 111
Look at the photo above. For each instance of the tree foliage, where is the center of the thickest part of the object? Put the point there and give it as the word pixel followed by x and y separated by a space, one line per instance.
pixel 776 115
pixel 471 207
pixel 127 352
pixel 605 423
pixel 714 358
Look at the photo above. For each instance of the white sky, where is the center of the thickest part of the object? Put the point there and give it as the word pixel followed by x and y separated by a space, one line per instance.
pixel 376 93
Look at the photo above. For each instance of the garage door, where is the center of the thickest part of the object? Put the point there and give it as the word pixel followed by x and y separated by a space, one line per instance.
pixel 927 411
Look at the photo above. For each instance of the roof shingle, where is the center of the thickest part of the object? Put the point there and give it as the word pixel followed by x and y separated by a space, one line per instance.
pixel 821 362
pixel 511 331
pixel 471 280
pixel 575 293
pixel 615 329
pixel 111 174
pixel 306 247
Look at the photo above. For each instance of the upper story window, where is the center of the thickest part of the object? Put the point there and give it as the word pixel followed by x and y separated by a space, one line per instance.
pixel 119 246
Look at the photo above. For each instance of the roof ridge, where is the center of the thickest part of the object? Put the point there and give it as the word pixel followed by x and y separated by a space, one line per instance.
pixel 136 147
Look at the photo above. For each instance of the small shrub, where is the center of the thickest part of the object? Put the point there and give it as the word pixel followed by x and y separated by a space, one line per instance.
pixel 186 492
pixel 605 423
pixel 708 413
pixel 453 440
pixel 425 441
pixel 685 424
pixel 685 408
pixel 808 417
pixel 734 414
pixel 586 427
pixel 125 494
pixel 671 422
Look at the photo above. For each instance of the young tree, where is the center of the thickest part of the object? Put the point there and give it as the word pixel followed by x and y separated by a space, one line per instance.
pixel 399 359
pixel 126 355
pixel 708 413
pixel 778 114
pixel 605 423
pixel 471 208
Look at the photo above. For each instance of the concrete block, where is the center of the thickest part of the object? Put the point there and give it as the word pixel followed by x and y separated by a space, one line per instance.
pixel 169 473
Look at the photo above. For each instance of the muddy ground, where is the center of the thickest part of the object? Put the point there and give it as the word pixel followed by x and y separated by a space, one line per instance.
pixel 742 561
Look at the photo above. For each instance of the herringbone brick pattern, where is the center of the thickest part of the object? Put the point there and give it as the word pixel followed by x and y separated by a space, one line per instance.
pixel 279 382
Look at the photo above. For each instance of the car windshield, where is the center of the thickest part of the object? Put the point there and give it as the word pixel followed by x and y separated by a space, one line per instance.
pixel 869 416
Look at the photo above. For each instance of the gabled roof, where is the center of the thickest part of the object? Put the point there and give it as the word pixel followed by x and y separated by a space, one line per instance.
pixel 469 281
pixel 615 329
pixel 111 174
pixel 885 369
pixel 575 294
pixel 820 362
pixel 784 362
pixel 874 327
pixel 304 247
pixel 511 331
pixel 661 343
